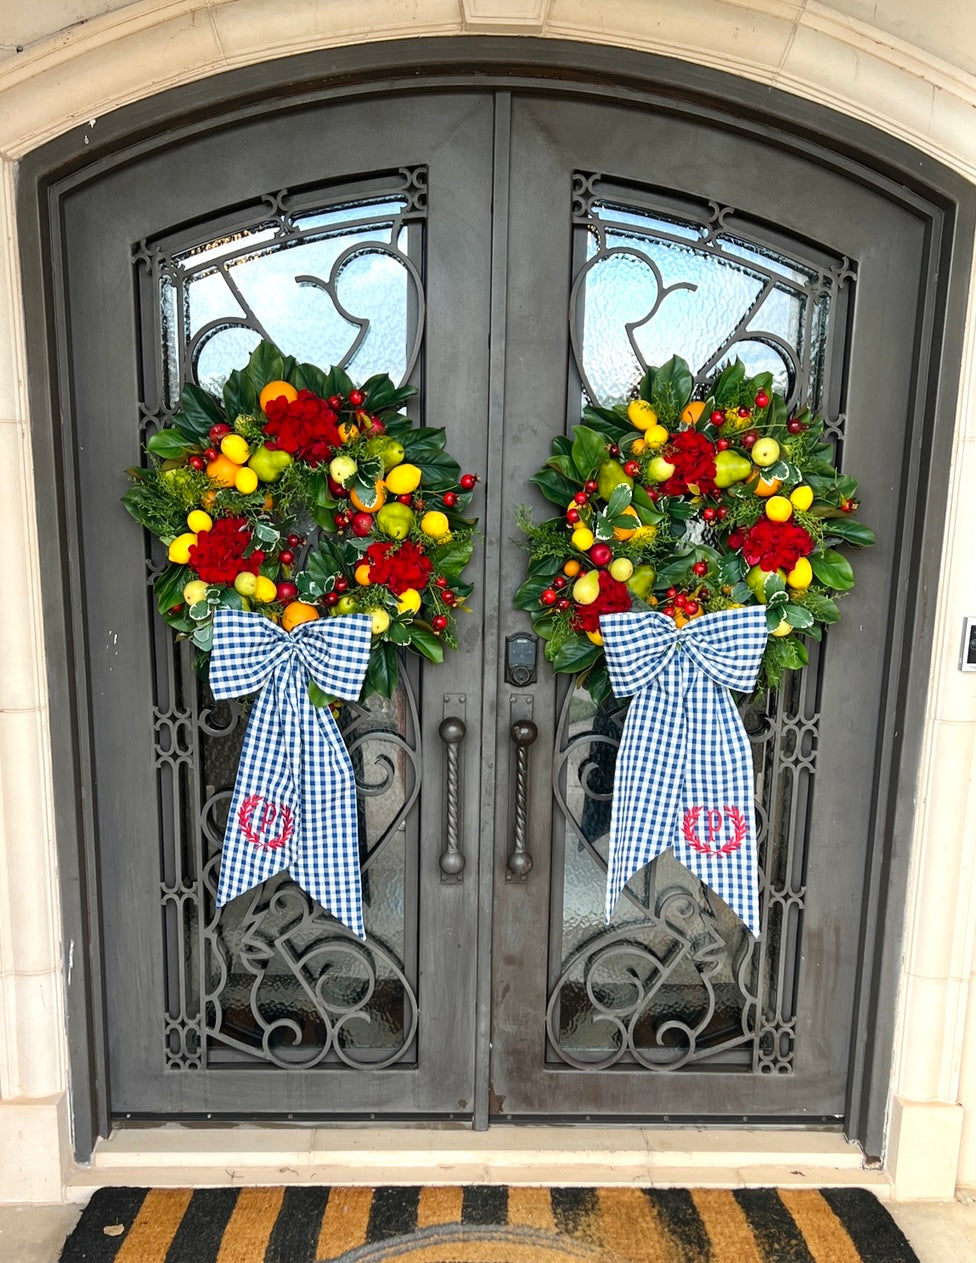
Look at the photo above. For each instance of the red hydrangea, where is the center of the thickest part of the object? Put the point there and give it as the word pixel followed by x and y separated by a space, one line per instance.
pixel 399 566
pixel 614 598
pixel 306 428
pixel 693 458
pixel 776 545
pixel 218 554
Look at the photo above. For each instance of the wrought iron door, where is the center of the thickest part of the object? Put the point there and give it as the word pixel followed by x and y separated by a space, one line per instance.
pixel 509 254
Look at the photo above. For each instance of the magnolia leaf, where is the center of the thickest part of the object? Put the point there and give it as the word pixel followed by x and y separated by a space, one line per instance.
pixel 589 449
pixel 832 569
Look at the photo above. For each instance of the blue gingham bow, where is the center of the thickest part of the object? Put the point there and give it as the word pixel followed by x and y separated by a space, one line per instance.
pixel 684 776
pixel 294 803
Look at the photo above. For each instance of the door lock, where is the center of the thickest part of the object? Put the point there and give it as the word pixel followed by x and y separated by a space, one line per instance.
pixel 521 656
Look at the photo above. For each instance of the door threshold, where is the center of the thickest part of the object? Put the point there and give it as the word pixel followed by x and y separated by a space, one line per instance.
pixel 174 1155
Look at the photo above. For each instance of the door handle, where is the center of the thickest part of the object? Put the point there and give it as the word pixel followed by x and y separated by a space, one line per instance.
pixel 452 731
pixel 524 733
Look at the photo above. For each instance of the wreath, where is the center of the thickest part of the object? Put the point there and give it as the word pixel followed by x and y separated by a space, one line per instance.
pixel 689 501
pixel 236 488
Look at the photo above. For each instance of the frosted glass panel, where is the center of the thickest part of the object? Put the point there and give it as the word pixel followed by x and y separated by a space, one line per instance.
pixel 650 287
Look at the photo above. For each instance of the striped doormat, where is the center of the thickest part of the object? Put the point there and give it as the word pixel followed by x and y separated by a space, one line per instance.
pixel 485 1224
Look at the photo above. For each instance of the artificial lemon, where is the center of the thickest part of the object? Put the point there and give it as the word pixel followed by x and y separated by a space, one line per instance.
pixel 179 550
pixel 246 481
pixel 641 415
pixel 199 521
pixel 801 576
pixel 434 523
pixel 296 612
pixel 265 590
pixel 409 602
pixel 195 592
pixel 779 509
pixel 656 436
pixel 801 497
pixel 380 621
pixel 595 637
pixel 638 446
pixel 275 390
pixel 582 538
pixel 235 448
pixel 246 584
pixel 782 628
pixel 403 479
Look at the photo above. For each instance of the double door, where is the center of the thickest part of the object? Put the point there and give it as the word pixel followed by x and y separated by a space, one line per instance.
pixel 508 252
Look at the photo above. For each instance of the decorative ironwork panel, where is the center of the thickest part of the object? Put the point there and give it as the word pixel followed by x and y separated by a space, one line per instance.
pixel 334 276
pixel 657 275
pixel 675 979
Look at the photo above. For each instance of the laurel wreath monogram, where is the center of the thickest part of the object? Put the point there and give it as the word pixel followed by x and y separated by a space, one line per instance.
pixel 268 816
pixel 690 831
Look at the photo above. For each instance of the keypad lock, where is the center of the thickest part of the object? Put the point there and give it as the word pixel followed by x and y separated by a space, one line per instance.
pixel 521 658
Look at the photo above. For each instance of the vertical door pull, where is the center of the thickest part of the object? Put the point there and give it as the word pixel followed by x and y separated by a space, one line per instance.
pixel 524 732
pixel 451 732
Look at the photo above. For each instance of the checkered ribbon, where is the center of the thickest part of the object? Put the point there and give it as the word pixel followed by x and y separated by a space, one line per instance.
pixel 294 803
pixel 684 776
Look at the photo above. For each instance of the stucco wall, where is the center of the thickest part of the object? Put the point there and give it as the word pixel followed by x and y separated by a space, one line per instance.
pixel 902 67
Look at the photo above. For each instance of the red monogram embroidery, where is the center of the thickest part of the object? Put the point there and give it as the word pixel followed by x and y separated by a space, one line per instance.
pixel 253 830
pixel 715 830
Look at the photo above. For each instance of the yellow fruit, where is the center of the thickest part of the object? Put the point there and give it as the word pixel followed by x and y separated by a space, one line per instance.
pixel 235 448
pixel 782 629
pixel 622 532
pixel 595 636
pixel 572 568
pixel 403 479
pixel 296 612
pixel 638 446
pixel 691 414
pixel 380 621
pixel 179 550
pixel 582 538
pixel 409 602
pixel 756 579
pixel 621 569
pixel 779 509
pixel 348 431
pixel 656 436
pixel 377 503
pixel 765 452
pixel 766 486
pixel 434 523
pixel 641 415
pixel 199 521
pixel 265 592
pixel 275 390
pixel 246 481
pixel 801 576
pixel 223 471
pixel 246 584
pixel 801 497
pixel 195 592
pixel 361 574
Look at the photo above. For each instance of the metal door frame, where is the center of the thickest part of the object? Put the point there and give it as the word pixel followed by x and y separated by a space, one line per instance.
pixel 939 196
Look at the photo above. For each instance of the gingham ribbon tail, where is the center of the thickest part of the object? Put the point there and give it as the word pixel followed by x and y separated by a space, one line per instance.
pixel 684 776
pixel 294 803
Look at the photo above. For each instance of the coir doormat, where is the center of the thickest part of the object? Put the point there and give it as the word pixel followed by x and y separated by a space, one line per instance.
pixel 485 1224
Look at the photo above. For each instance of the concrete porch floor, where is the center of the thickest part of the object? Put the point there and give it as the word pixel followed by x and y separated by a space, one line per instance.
pixel 940 1232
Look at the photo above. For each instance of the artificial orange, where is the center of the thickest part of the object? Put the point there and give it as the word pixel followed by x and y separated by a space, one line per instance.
pixel 691 413
pixel 296 612
pixel 376 505
pixel 361 574
pixel 274 390
pixel 621 532
pixel 766 486
pixel 348 431
pixel 572 568
pixel 223 472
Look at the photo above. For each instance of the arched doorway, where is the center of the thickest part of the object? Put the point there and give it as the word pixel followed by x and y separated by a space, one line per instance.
pixel 493 191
